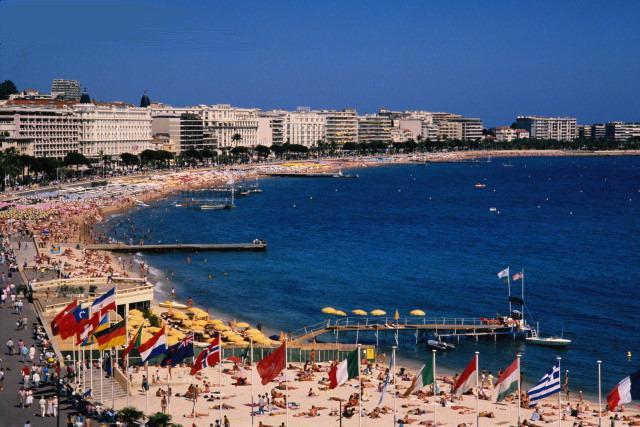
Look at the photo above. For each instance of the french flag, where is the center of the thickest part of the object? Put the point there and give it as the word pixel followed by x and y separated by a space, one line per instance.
pixel 155 346
pixel 104 303
pixel 627 390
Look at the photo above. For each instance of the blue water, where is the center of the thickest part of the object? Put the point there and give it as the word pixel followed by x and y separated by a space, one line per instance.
pixel 423 237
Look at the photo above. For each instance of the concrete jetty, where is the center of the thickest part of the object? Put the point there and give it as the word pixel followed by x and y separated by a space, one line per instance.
pixel 185 247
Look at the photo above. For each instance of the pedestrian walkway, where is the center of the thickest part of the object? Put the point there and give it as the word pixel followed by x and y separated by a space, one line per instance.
pixel 11 414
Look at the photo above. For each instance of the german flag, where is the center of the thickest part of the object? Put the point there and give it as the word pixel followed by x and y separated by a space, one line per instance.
pixel 113 336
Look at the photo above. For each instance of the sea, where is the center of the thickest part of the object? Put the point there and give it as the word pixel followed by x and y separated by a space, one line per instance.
pixel 418 236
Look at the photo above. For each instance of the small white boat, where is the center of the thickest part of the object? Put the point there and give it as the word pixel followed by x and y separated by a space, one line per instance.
pixel 172 304
pixel 548 341
pixel 480 185
pixel 212 207
pixel 439 345
pixel 141 204
pixel 493 209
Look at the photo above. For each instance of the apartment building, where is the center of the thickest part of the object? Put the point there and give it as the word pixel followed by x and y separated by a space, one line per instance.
pixel 560 128
pixel 304 127
pixel 340 126
pixel 374 127
pixel 230 126
pixel 622 131
pixel 506 134
pixel 65 89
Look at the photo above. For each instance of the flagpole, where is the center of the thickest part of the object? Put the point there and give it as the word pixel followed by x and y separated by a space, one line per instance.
pixel 91 371
pixel 509 286
pixel 101 374
pixel 477 391
pixel 146 389
pixel 113 396
pixel 395 386
pixel 219 379
pixel 435 387
pixel 73 354
pixel 360 388
pixel 599 393
pixel 252 407
pixel 286 379
pixel 519 387
pixel 559 394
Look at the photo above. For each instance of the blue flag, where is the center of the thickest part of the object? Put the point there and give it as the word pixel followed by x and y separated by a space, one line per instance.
pixel 179 351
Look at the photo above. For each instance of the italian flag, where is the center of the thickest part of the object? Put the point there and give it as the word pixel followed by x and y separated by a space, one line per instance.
pixel 424 377
pixel 508 381
pixel 467 379
pixel 345 370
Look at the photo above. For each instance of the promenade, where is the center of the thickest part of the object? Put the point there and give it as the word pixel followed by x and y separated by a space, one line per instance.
pixel 12 413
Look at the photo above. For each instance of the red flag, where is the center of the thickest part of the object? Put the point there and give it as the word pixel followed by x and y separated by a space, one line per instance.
pixel 210 356
pixel 271 366
pixel 86 327
pixel 55 323
pixel 73 322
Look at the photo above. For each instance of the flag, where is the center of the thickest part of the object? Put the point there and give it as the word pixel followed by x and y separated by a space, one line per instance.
pixel 504 274
pixel 55 323
pixel 179 351
pixel 467 378
pixel 518 276
pixel 105 302
pixel 113 336
pixel 423 377
pixel 387 380
pixel 210 356
pixel 625 391
pixel 154 346
pixel 345 370
pixel 133 344
pixel 71 322
pixel 548 385
pixel 87 328
pixel 271 366
pixel 508 381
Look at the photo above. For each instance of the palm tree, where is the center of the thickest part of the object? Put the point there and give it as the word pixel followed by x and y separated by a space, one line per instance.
pixel 159 420
pixel 236 138
pixel 130 414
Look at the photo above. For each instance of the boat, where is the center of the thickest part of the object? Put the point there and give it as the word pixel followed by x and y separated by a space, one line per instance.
pixel 493 209
pixel 548 341
pixel 141 204
pixel 172 304
pixel 551 341
pixel 212 207
pixel 480 185
pixel 440 345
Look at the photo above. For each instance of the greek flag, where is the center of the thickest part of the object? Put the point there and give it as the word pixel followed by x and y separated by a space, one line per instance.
pixel 549 384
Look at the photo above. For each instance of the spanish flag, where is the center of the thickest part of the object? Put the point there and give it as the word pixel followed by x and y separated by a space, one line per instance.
pixel 113 336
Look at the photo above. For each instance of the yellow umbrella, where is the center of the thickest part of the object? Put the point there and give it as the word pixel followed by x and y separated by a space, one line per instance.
pixel 253 332
pixel 329 310
pixel 417 312
pixel 179 315
pixel 340 313
pixel 152 329
pixel 359 312
pixel 242 325
pixel 396 315
pixel 378 312
pixel 221 327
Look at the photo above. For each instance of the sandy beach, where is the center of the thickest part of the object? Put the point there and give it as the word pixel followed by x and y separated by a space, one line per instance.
pixel 61 223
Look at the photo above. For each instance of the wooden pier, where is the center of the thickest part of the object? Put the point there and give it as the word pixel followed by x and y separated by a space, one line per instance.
pixel 184 247
pixel 452 327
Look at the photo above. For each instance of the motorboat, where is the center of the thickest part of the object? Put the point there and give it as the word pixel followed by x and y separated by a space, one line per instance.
pixel 214 207
pixel 548 341
pixel 480 185
pixel 440 345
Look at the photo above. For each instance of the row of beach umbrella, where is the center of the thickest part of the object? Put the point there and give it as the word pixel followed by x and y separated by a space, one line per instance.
pixel 360 312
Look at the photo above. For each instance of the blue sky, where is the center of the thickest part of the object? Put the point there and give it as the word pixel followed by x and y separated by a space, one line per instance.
pixel 489 59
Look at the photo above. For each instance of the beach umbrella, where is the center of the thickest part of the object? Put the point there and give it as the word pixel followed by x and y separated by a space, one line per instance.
pixel 396 315
pixel 340 313
pixel 378 312
pixel 242 325
pixel 359 312
pixel 417 312
pixel 329 310
pixel 178 315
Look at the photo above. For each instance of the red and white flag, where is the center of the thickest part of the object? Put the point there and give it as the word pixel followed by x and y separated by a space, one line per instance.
pixel 55 323
pixel 208 357
pixel 467 378
pixel 518 276
pixel 625 391
pixel 271 366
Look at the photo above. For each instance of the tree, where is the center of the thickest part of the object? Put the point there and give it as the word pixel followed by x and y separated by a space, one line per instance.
pixel 129 159
pixel 263 151
pixel 159 420
pixel 7 88
pixel 130 415
pixel 349 146
pixel 236 138
pixel 10 165
pixel 75 159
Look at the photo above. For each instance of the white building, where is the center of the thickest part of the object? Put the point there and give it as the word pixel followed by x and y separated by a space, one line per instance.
pixel 621 131
pixel 340 126
pixel 230 126
pixel 560 128
pixel 112 129
pixel 304 127
pixel 271 125
pixel 506 134
pixel 373 127
pixel 413 126
pixel 52 129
